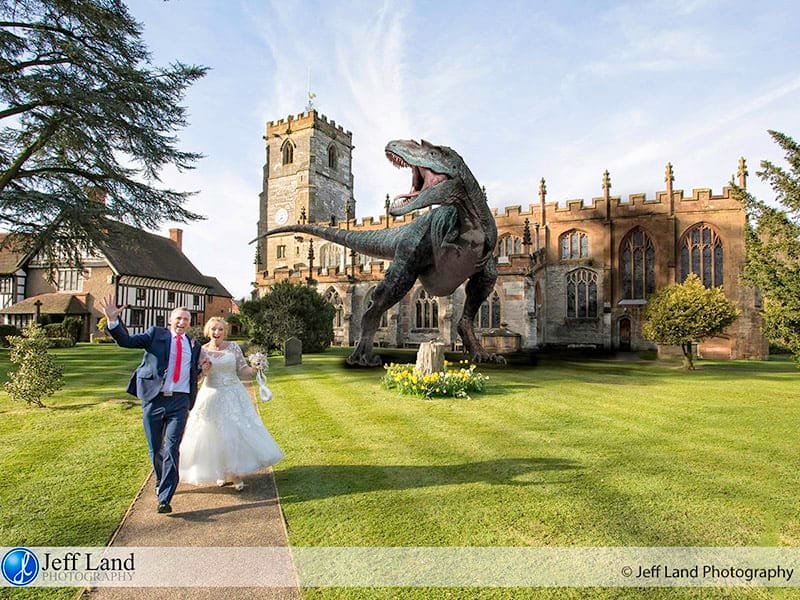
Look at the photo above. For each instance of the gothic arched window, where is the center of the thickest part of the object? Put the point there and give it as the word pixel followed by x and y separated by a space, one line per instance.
pixel 368 302
pixel 581 294
pixel 490 313
pixel 637 259
pixel 702 254
pixel 330 255
pixel 508 245
pixel 287 152
pixel 333 158
pixel 427 311
pixel 574 244
pixel 333 297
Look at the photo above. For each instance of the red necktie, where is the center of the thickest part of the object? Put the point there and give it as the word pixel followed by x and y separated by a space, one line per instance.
pixel 176 373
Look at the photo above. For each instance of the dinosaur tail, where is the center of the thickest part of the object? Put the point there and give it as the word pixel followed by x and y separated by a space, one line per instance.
pixel 380 243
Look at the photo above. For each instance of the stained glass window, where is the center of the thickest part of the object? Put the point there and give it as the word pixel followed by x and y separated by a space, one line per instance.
pixel 637 264
pixel 581 294
pixel 701 253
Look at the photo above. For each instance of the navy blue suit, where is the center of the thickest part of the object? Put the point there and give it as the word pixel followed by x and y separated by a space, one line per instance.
pixel 164 417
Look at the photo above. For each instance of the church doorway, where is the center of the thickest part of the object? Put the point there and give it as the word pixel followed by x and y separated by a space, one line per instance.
pixel 625 334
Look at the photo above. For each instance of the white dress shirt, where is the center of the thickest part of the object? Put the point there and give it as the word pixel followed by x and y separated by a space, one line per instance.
pixel 182 384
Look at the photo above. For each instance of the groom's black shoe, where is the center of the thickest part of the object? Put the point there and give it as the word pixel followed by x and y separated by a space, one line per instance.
pixel 164 508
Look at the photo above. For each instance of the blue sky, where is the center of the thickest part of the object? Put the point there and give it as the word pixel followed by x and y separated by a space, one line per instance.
pixel 522 90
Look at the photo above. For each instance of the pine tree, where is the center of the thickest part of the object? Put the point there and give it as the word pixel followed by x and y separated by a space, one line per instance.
pixel 773 246
pixel 37 375
pixel 87 123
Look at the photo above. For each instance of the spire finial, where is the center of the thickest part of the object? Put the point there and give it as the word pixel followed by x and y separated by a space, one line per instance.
pixel 606 184
pixel 542 190
pixel 742 173
pixel 669 177
pixel 526 235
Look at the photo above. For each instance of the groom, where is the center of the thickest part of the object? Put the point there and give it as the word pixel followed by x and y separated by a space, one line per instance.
pixel 166 383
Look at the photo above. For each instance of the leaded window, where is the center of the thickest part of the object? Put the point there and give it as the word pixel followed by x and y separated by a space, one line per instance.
pixel 137 317
pixel 637 264
pixel 508 245
pixel 574 244
pixel 581 294
pixel 333 297
pixel 368 303
pixel 427 311
pixel 69 280
pixel 287 153
pixel 330 255
pixel 702 254
pixel 489 314
pixel 332 157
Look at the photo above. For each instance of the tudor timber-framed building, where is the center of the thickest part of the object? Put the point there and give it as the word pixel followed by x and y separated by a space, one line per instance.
pixel 569 275
pixel 147 273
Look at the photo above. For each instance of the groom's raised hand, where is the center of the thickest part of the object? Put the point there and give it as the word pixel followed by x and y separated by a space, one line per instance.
pixel 109 307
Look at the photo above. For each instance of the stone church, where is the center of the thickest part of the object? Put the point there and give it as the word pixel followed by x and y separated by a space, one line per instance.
pixel 574 275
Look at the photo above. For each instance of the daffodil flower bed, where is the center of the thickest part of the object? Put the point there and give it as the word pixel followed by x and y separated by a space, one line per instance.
pixel 455 381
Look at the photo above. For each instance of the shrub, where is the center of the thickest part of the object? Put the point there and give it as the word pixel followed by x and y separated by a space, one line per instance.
pixel 55 330
pixel 5 331
pixel 37 375
pixel 60 342
pixel 290 310
pixel 74 327
pixel 455 382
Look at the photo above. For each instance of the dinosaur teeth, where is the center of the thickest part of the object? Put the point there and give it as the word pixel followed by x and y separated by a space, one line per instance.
pixel 396 160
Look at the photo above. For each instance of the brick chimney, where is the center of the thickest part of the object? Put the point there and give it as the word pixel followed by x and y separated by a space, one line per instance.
pixel 176 235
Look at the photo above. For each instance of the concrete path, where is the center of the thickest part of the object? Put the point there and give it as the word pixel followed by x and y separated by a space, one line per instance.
pixel 204 516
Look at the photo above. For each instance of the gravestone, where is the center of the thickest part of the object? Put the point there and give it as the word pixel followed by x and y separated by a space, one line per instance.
pixel 292 352
pixel 430 358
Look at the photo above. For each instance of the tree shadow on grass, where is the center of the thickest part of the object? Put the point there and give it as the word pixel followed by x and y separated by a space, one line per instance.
pixel 72 406
pixel 313 482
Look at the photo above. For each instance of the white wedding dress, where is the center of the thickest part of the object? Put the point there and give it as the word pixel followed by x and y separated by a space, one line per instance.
pixel 224 436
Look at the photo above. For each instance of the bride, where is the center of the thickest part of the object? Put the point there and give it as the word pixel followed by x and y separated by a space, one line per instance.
pixel 225 437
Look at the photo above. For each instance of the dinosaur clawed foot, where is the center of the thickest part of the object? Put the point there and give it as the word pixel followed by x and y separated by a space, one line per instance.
pixel 361 359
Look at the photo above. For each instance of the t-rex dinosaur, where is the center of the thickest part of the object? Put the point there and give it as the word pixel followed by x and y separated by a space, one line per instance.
pixel 452 243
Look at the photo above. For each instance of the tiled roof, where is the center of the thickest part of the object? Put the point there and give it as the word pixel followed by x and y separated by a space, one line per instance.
pixel 132 251
pixel 215 288
pixel 57 303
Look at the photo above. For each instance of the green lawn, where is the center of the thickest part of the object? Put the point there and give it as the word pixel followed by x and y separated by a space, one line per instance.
pixel 564 453
pixel 70 471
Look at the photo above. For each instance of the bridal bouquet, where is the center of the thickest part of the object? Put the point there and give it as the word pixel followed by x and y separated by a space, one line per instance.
pixel 260 363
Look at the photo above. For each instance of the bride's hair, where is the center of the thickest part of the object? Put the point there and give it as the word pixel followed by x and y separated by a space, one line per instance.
pixel 210 323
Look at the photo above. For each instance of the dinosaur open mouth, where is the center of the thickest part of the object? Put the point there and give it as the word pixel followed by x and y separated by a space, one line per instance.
pixel 422 178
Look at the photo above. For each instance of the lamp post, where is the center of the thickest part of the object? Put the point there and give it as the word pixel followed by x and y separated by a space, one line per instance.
pixel 38 305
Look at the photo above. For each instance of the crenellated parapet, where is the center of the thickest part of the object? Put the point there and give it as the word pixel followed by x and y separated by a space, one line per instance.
pixel 307 120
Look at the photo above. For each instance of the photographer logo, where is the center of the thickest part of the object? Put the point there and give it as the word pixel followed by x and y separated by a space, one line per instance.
pixel 20 566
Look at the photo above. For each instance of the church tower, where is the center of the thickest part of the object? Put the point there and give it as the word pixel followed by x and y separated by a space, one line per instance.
pixel 308 177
